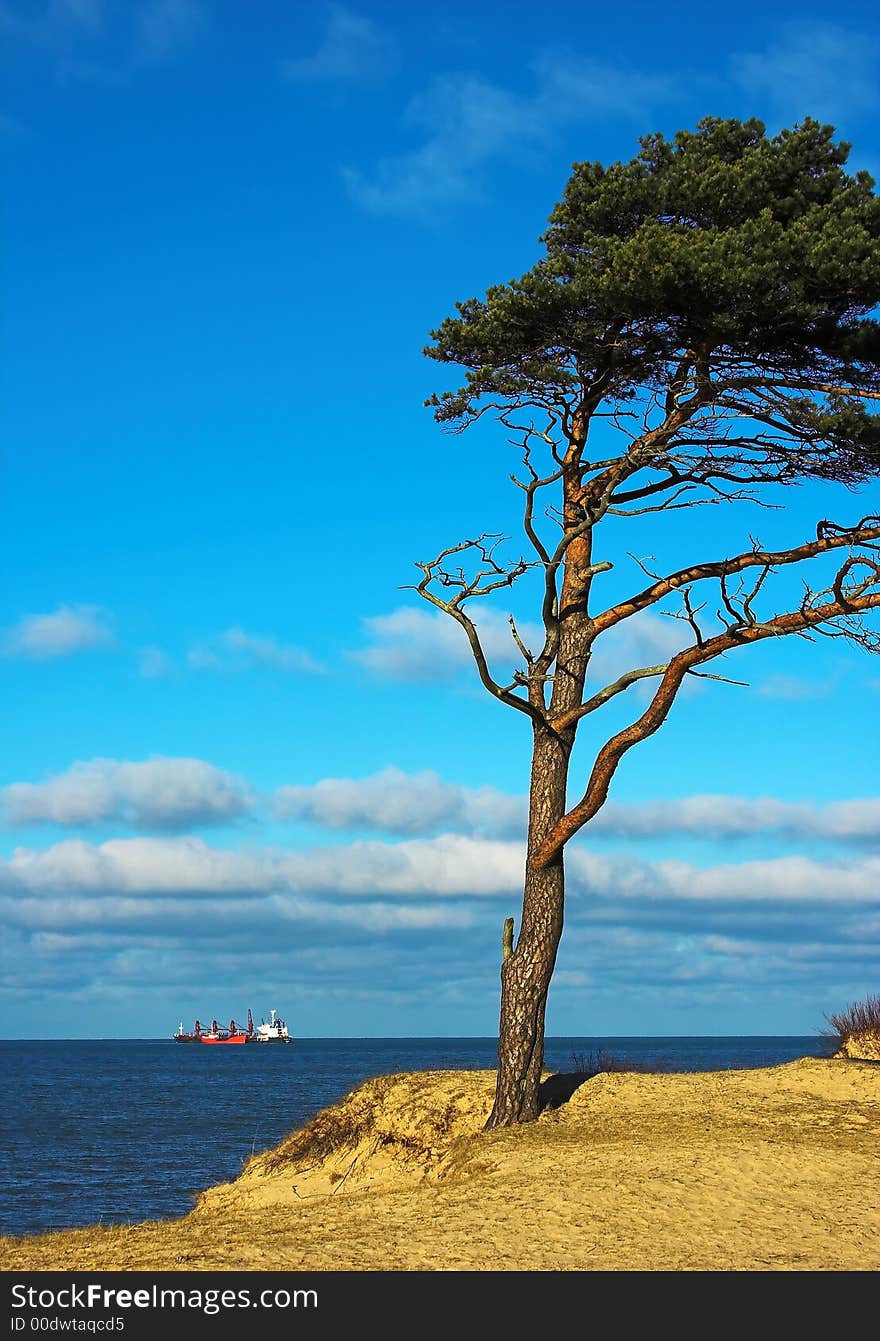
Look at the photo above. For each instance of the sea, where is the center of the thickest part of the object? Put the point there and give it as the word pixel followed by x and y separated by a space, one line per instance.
pixel 114 1131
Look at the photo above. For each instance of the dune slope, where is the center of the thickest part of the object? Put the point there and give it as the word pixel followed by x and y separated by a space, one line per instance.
pixel 738 1170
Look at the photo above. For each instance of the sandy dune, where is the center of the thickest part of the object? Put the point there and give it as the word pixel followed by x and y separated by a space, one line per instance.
pixel 773 1169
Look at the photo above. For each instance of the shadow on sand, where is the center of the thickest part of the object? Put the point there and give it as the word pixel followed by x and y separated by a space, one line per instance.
pixel 557 1090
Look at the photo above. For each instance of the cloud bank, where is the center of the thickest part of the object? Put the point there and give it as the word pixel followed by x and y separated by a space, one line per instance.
pixel 395 802
pixel 163 793
pixel 171 793
pixel 447 867
pixel 371 928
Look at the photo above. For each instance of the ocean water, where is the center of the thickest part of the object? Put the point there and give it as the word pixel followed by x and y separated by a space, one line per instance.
pixel 116 1131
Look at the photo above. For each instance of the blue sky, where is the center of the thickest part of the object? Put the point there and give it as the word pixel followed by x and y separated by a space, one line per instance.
pixel 242 765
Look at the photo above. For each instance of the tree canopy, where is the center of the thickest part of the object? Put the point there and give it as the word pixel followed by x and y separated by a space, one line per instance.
pixel 755 255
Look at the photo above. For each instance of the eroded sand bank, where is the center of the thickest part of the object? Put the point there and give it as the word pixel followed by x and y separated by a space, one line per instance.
pixel 769 1169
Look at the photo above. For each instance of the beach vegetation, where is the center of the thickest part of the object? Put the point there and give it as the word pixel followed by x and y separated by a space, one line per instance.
pixel 857 1022
pixel 599 1061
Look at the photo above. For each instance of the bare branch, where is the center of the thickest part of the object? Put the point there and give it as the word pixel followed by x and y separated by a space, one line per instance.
pixel 479 585
pixel 610 691
pixel 647 571
pixel 843 613
pixel 691 616
pixel 526 654
pixel 669 506
pixel 816 387
pixel 469 587
pixel 830 537
pixel 725 679
pixel 530 489
pixel 645 450
pixel 504 695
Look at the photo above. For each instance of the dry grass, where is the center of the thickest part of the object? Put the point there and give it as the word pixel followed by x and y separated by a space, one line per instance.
pixel 341 1126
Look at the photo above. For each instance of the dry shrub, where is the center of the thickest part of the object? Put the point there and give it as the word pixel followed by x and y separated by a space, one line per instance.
pixel 595 1062
pixel 861 1018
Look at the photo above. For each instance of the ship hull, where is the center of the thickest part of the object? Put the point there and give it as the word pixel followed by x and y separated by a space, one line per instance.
pixel 233 1038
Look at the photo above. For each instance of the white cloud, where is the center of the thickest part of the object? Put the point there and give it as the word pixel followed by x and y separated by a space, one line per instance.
pixel 269 651
pixel 779 880
pixel 164 883
pixel 82 916
pixel 423 918
pixel 161 793
pixel 428 646
pixel 395 802
pixel 572 978
pixel 642 640
pixel 571 85
pixel 69 629
pixel 181 918
pixel 446 867
pixel 467 122
pixel 376 917
pixel 172 793
pixel 235 650
pixel 354 50
pixel 812 69
pixel 716 816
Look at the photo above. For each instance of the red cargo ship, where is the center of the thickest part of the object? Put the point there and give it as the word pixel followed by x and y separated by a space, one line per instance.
pixel 275 1031
pixel 218 1033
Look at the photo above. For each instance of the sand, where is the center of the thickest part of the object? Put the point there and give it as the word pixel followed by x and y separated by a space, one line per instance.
pixel 863 1047
pixel 768 1170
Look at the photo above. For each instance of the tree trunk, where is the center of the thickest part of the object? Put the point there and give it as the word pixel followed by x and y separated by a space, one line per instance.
pixel 526 973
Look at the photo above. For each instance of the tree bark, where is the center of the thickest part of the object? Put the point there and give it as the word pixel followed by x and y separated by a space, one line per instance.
pixel 526 973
